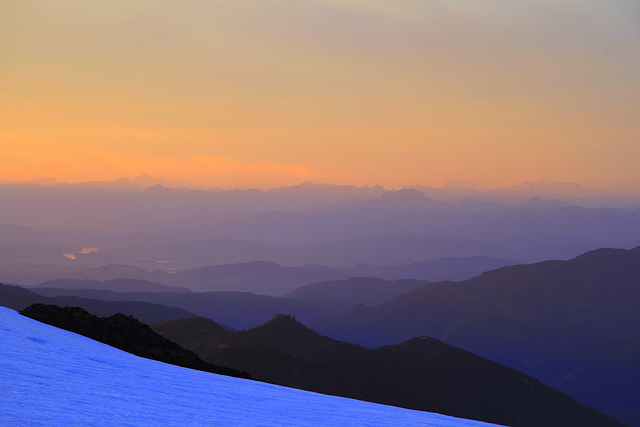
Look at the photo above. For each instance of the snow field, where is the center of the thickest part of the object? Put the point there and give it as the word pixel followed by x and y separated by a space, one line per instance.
pixel 52 377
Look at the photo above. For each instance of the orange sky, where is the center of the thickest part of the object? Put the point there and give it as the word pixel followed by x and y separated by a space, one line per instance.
pixel 359 92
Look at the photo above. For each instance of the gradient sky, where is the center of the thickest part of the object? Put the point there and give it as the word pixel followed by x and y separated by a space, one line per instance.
pixel 237 93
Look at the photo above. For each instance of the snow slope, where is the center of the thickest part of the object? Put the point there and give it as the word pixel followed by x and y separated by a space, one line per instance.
pixel 49 376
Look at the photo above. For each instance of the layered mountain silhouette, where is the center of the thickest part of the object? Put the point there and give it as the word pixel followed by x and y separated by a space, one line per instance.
pixel 239 310
pixel 573 324
pixel 19 298
pixel 259 277
pixel 116 285
pixel 125 333
pixel 422 373
pixel 266 277
pixel 138 224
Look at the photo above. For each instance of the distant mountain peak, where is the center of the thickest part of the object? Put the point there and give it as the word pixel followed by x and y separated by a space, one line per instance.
pixel 45 182
pixel 461 183
pixel 146 180
pixel 158 188
pixel 122 181
pixel 285 331
pixel 283 320
pixel 286 327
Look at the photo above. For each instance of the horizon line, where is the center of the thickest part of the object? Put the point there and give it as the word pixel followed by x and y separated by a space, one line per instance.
pixel 452 184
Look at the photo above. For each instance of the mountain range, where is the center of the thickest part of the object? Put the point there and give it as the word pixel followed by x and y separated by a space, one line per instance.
pixel 52 231
pixel 264 277
pixel 421 373
pixel 452 191
pixel 573 324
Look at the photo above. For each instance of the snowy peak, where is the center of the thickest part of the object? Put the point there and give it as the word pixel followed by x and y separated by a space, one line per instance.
pixel 45 182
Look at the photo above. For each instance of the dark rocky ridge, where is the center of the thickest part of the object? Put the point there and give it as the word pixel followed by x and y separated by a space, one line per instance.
pixel 125 333
pixel 423 373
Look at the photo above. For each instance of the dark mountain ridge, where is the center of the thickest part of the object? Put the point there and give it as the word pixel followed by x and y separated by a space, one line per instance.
pixel 423 374
pixel 125 333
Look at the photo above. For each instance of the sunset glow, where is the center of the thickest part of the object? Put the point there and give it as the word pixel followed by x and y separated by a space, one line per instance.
pixel 250 93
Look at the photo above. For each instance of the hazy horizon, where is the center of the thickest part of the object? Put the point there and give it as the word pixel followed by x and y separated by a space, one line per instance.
pixel 146 180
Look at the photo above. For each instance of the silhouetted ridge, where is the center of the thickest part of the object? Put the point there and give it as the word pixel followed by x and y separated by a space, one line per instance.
pixel 285 332
pixel 125 333
pixel 422 373
pixel 622 257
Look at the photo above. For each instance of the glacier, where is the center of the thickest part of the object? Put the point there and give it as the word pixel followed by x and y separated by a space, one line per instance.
pixel 49 376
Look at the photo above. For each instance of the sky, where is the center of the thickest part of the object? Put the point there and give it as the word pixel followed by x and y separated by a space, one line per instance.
pixel 267 93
